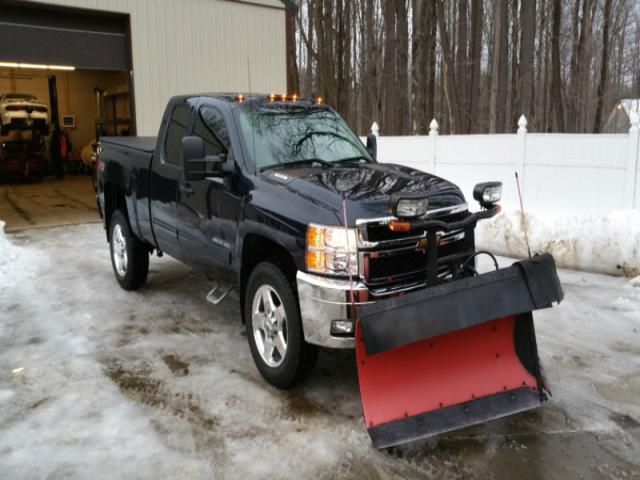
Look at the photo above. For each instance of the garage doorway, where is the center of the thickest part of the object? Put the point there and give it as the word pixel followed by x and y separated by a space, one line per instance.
pixel 73 65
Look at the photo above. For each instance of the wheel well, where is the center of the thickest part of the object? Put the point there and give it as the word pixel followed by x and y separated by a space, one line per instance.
pixel 114 199
pixel 257 249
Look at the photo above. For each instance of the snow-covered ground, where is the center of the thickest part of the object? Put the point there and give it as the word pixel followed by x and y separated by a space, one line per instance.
pixel 96 383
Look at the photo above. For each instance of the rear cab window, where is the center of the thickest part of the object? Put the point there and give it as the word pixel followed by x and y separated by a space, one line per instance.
pixel 176 129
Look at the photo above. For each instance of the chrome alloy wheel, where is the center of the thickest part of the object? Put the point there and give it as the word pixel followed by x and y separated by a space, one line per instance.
pixel 269 324
pixel 119 250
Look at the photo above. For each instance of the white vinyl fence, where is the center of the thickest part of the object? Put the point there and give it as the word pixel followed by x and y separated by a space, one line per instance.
pixel 564 173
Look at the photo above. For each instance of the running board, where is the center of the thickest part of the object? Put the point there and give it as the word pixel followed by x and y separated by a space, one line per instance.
pixel 218 292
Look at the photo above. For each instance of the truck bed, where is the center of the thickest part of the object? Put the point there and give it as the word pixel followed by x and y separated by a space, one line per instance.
pixel 142 144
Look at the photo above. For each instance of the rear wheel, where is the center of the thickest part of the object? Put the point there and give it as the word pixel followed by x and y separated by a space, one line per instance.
pixel 129 256
pixel 274 329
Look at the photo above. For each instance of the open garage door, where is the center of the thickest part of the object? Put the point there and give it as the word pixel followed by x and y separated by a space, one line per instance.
pixel 71 68
pixel 44 34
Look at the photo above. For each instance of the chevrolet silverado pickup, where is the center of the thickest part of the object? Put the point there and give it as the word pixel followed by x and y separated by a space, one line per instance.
pixel 276 197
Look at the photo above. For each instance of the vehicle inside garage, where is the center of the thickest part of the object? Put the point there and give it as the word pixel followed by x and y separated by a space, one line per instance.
pixel 65 81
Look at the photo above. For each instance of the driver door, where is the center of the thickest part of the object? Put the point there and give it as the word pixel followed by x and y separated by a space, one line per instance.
pixel 208 209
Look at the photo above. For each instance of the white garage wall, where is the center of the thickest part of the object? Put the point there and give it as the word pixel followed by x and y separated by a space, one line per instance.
pixel 190 46
pixel 559 173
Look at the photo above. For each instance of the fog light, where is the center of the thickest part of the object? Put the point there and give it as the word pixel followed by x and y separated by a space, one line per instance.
pixel 488 193
pixel 341 328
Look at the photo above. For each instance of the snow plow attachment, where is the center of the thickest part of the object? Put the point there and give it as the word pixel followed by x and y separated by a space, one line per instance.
pixel 455 354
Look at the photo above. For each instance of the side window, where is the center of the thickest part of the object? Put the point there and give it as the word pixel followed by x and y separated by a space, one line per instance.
pixel 210 126
pixel 176 130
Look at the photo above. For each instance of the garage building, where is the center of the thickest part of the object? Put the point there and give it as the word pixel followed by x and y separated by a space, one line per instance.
pixel 113 64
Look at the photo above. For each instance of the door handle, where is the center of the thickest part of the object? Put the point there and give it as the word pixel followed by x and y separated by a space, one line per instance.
pixel 186 189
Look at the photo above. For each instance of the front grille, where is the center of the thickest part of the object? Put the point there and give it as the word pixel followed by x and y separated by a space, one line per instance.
pixel 392 267
pixel 389 259
pixel 379 232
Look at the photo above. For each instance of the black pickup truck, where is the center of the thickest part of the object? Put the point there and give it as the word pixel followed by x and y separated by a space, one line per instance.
pixel 276 197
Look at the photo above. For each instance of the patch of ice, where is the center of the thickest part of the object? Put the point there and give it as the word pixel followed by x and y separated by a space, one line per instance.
pixel 607 244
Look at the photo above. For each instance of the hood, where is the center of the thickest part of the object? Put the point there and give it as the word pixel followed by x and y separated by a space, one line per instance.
pixel 367 188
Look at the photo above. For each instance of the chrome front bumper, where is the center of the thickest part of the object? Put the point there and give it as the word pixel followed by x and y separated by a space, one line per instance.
pixel 323 300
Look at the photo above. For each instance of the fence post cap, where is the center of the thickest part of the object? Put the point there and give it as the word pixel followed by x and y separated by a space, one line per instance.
pixel 522 124
pixel 375 128
pixel 433 127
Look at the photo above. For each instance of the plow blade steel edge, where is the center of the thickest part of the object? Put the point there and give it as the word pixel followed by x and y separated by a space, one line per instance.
pixel 453 355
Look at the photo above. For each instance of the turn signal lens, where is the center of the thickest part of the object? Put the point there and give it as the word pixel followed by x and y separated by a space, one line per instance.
pixel 396 226
pixel 315 261
pixel 315 237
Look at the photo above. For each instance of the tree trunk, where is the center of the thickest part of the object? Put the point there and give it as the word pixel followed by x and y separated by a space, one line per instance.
pixel 499 68
pixel 390 96
pixel 477 13
pixel 556 81
pixel 462 102
pixel 431 83
pixel 527 46
pixel 293 84
pixel 512 116
pixel 604 65
pixel 419 70
pixel 448 72
pixel 401 45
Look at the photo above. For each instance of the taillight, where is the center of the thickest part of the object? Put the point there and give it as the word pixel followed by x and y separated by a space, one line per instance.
pixel 14 108
pixel 40 109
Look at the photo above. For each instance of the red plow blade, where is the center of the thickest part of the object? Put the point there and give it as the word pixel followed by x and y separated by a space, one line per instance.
pixel 444 383
pixel 472 370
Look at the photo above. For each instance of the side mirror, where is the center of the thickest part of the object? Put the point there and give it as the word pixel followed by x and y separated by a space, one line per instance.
pixel 193 154
pixel 197 164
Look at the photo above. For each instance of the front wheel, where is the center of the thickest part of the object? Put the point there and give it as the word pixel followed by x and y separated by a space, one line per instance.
pixel 274 329
pixel 129 256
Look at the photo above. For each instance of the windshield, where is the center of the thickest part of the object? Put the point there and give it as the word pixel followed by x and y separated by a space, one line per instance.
pixel 277 136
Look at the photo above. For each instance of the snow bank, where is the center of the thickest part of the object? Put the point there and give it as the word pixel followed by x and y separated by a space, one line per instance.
pixel 606 244
pixel 8 251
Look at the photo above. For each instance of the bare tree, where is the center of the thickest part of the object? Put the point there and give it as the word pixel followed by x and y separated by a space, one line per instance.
pixel 475 65
pixel 448 71
pixel 604 65
pixel 475 60
pixel 461 47
pixel 556 80
pixel 499 68
pixel 527 46
pixel 402 64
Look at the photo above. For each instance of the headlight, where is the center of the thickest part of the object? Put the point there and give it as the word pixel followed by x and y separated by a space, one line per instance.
pixel 409 205
pixel 488 193
pixel 330 250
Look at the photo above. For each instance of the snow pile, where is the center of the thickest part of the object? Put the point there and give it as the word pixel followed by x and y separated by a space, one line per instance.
pixel 607 244
pixel 8 251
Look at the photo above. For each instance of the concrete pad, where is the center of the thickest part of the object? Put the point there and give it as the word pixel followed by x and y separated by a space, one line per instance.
pixel 50 203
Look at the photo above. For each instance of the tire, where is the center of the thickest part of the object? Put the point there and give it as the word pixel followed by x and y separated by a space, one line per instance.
pixel 268 330
pixel 129 256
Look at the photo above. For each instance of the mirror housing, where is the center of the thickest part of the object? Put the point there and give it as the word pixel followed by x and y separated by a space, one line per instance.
pixel 197 164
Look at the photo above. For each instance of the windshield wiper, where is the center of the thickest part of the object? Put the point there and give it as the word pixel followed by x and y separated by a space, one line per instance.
pixel 353 159
pixel 306 161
